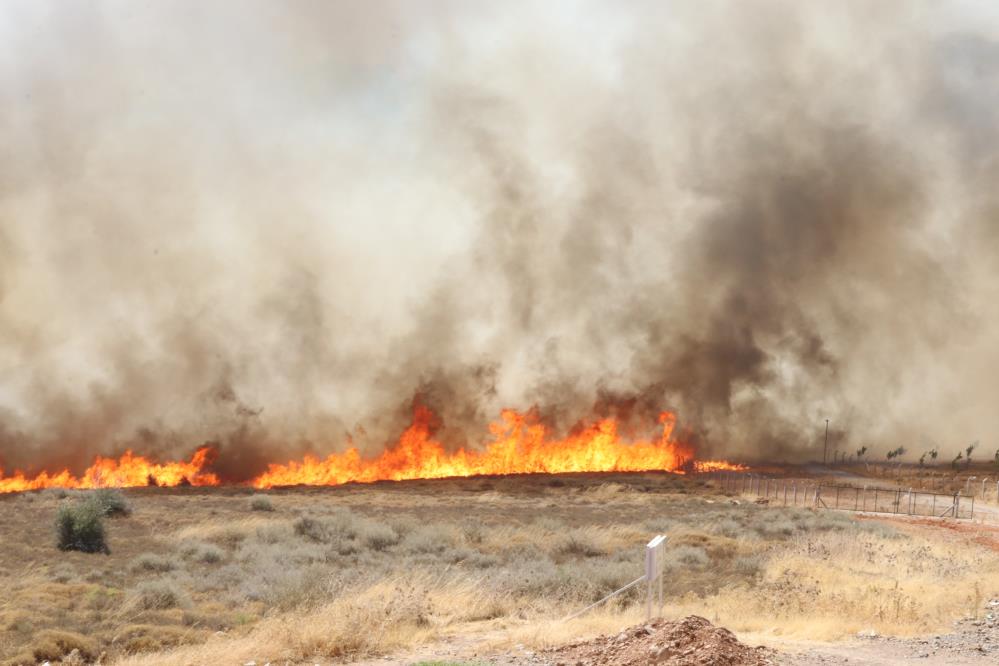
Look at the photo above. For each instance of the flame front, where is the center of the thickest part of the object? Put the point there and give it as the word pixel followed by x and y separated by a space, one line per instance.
pixel 704 466
pixel 127 471
pixel 520 445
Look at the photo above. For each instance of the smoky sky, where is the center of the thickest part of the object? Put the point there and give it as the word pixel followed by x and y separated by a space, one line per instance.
pixel 274 226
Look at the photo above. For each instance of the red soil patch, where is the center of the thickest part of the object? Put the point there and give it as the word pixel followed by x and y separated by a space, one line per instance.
pixel 983 535
pixel 692 641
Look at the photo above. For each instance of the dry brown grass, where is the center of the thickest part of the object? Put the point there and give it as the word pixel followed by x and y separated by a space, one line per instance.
pixel 197 576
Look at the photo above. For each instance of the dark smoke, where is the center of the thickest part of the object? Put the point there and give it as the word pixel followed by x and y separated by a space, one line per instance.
pixel 276 228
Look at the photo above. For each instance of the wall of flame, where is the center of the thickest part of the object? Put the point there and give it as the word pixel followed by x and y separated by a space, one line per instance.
pixel 519 444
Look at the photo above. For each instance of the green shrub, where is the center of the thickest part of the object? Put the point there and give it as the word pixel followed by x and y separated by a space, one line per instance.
pixel 111 501
pixel 261 503
pixel 81 527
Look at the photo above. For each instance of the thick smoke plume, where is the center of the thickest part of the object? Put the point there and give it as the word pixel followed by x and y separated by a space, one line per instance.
pixel 274 225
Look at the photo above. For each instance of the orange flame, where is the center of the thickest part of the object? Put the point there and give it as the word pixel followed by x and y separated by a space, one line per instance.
pixel 520 445
pixel 702 466
pixel 127 471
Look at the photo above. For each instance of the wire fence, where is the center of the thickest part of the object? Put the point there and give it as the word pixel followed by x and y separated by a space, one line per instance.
pixel 655 562
pixel 868 499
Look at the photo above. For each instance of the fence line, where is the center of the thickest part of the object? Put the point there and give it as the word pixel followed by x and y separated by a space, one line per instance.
pixel 935 478
pixel 866 499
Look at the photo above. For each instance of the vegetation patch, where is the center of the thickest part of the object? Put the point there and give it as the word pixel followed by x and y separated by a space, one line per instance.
pixel 81 527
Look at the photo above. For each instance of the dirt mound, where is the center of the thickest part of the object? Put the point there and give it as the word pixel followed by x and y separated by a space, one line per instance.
pixel 692 641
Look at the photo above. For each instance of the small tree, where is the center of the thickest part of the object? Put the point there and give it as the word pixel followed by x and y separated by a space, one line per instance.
pixel 972 447
pixel 862 451
pixel 956 460
pixel 997 457
pixel 933 453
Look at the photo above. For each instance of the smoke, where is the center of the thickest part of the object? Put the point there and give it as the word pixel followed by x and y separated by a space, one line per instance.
pixel 274 226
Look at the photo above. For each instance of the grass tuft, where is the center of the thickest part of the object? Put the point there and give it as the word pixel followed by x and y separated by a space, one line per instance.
pixel 111 502
pixel 158 595
pixel 261 503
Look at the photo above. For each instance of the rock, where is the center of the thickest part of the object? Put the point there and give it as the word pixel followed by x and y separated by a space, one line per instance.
pixel 662 654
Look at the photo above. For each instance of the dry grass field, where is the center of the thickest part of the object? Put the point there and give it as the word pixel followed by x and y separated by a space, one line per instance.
pixel 227 576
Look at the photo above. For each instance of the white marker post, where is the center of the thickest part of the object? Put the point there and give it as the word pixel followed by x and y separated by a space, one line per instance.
pixel 655 560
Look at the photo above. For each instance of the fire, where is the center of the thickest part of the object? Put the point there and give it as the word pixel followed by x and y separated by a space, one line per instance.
pixel 702 466
pixel 520 445
pixel 126 471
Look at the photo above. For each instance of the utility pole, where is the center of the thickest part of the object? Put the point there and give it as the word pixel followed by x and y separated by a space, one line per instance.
pixel 825 447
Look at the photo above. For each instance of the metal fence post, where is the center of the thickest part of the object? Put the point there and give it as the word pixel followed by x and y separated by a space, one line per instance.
pixel 653 569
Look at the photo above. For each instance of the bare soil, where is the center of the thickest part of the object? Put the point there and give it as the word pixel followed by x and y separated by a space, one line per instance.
pixel 692 641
